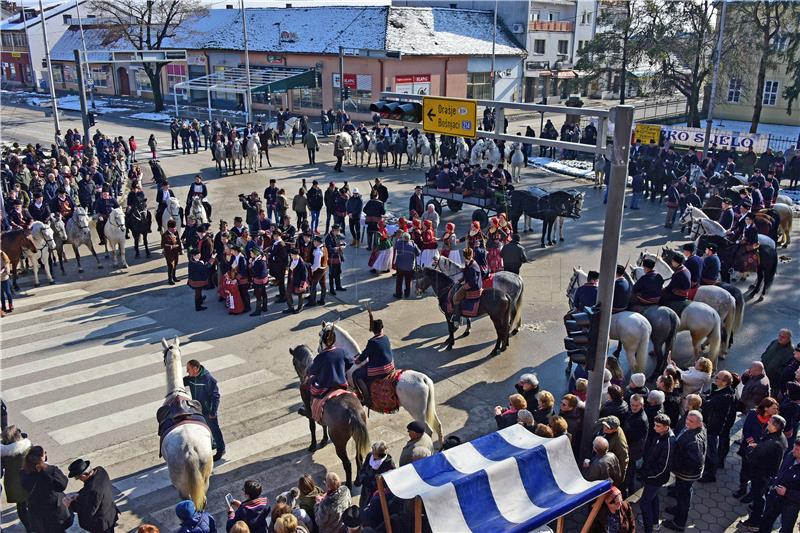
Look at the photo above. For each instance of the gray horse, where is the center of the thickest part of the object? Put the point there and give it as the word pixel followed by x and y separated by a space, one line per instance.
pixel 79 233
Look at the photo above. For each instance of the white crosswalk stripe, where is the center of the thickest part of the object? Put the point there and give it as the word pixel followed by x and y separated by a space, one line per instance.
pixel 78 305
pixel 45 298
pixel 66 322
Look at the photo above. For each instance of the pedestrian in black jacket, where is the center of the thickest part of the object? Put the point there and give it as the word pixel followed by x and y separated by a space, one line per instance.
pixel 635 428
pixel 717 407
pixel 377 462
pixel 783 498
pixel 315 204
pixel 331 193
pixel 94 503
pixel 45 485
pixel 514 255
pixel 528 386
pixel 615 404
pixel 690 456
pixel 763 462
pixel 655 469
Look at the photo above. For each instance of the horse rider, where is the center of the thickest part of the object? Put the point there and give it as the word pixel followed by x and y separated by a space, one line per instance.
pixel 647 289
pixel 378 358
pixel 726 215
pixel 19 218
pixel 137 201
pixel 693 263
pixel 102 208
pixel 471 286
pixel 677 290
pixel 198 188
pixel 328 371
pixel 586 294
pixel 711 266
pixel 39 210
pixel 622 292
pixel 63 204
pixel 163 202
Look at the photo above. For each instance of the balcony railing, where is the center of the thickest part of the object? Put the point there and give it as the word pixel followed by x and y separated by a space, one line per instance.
pixel 548 25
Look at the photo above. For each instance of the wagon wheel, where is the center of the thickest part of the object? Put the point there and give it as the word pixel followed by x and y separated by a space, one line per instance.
pixel 436 205
pixel 481 216
pixel 454 205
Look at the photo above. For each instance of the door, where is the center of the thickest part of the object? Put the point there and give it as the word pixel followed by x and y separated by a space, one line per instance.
pixel 124 83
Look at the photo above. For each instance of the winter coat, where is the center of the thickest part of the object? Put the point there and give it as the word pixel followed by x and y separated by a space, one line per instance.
pixel 406 253
pixel 300 204
pixel 254 513
pixel 314 197
pixel 613 408
pixel 690 454
pixel 716 408
pixel 48 514
pixel 13 456
pixel 763 461
pixel 658 456
pixel 775 358
pixel 205 390
pixel 604 467
pixel 95 504
pixel 618 445
pixel 354 207
pixel 200 522
pixel 408 450
pixel 307 502
pixel 626 517
pixel 635 428
pixel 328 512
pixel 754 389
pixel 368 477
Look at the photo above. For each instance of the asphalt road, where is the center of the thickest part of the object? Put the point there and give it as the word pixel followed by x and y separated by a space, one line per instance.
pixel 82 367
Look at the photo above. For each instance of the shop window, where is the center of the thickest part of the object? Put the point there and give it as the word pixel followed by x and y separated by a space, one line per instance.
pixel 176 74
pixel 142 81
pixel 479 85
pixel 360 98
pixel 100 76
pixel 770 92
pixel 307 98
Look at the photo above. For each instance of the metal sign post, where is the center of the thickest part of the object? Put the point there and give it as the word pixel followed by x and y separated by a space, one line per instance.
pixel 56 121
pixel 84 114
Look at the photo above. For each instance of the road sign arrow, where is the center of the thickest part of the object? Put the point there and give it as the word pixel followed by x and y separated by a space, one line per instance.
pixel 431 114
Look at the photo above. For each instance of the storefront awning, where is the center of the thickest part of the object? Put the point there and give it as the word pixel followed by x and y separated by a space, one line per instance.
pixel 234 80
pixel 303 80
pixel 558 74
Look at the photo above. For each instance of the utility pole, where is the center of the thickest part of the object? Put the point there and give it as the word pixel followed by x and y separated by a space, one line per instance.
pixel 622 116
pixel 248 101
pixel 494 44
pixel 30 56
pixel 715 78
pixel 341 78
pixel 85 54
pixel 84 113
pixel 56 122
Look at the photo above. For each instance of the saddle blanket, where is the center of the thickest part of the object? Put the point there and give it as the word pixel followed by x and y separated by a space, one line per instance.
pixel 383 393
pixel 469 306
pixel 318 404
pixel 746 260
pixel 176 413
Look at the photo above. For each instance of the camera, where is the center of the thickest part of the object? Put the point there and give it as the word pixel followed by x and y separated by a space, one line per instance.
pixel 242 197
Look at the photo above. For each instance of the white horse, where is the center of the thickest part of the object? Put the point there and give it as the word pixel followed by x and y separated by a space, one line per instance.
pixel 346 142
pixel 115 234
pixel 415 390
pixel 493 155
pixel 79 232
pixel 372 149
pixel 44 240
pixel 425 150
pixel 785 228
pixel 360 147
pixel 462 150
pixel 517 162
pixel 172 212
pixel 631 329
pixel 412 152
pixel 187 448
pixel 252 148
pixel 218 155
pixel 198 211
pixel 237 155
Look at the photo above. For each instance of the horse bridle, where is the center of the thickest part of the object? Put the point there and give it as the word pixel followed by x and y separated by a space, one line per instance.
pixel 120 227
pixel 178 390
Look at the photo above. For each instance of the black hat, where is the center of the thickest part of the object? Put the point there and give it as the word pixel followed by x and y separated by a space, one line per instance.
pixel 746 203
pixel 351 518
pixel 416 427
pixel 78 467
pixel 38 194
pixel 648 262
pixel 236 248
pixel 793 390
pixel 17 202
pixel 61 190
pixel 106 188
pixel 712 247
pixel 689 247
pixel 336 226
pixel 165 182
pixel 307 233
pixel 317 238
pixel 294 251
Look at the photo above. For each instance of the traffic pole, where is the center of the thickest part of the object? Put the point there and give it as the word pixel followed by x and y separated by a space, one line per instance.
pixel 341 78
pixel 622 117
pixel 714 79
pixel 56 121
pixel 84 114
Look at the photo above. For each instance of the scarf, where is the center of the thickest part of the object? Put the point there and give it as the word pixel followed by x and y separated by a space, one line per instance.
pixel 375 464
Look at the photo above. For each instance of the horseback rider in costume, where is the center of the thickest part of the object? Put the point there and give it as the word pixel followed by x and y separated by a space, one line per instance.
pixel 379 358
pixel 471 285
pixel 647 289
pixel 677 291
pixel 328 370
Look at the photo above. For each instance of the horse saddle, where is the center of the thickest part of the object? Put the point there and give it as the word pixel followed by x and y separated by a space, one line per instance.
pixel 178 410
pixel 383 393
pixel 318 404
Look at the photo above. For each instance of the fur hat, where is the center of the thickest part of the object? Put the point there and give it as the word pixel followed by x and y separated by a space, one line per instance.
pixel 638 379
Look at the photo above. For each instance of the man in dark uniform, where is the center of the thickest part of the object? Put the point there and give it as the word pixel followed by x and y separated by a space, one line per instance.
pixel 374 211
pixel 647 289
pixel 711 266
pixel 163 197
pixel 319 267
pixel 622 291
pixel 305 246
pixel 18 217
pixel 331 193
pixel 335 244
pixel 415 203
pixel 259 277
pixel 297 282
pixel 378 358
pixel 39 210
pixel 783 498
pixel 198 278
pixel 278 261
pixel 136 200
pixel 171 246
pixel 94 503
pixel 471 286
pixel 586 294
pixel 199 189
pixel 63 204
pixel 86 189
pixel 693 263
pixel 673 202
pixel 102 208
pixel 693 198
pixel 677 290
pixel 271 197
pixel 329 369
pixel 757 199
pixel 726 215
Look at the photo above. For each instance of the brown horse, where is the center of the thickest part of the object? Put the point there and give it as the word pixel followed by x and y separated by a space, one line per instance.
pixel 344 418
pixel 15 243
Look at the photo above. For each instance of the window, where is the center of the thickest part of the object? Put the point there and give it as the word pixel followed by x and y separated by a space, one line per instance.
pixel 734 90
pixel 308 98
pixel 479 85
pixel 553 15
pixel 7 40
pixel 19 39
pixel 770 92
pixel 175 74
pixel 360 86
pixel 100 76
pixel 142 81
pixel 535 15
pixel 779 42
pixel 563 47
pixel 582 45
pixel 586 17
pixel 538 46
pixel 67 19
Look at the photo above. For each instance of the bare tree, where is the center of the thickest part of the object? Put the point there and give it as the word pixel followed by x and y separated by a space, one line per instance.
pixel 619 43
pixel 792 56
pixel 148 25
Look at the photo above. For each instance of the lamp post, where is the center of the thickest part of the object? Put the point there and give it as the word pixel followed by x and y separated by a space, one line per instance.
pixel 56 122
pixel 89 81
pixel 710 117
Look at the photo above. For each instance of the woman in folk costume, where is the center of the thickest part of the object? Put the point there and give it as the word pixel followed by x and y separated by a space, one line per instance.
pixel 475 236
pixel 381 257
pixel 416 232
pixel 505 226
pixel 494 244
pixel 450 247
pixel 429 245
pixel 230 288
pixel 224 264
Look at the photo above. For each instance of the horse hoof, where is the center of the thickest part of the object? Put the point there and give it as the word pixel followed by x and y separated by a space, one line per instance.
pixel 561 239
pixel 503 349
pixel 515 331
pixel 147 255
pixel 36 284
pixel 313 447
pixel 493 353
pixel 465 334
pixel 446 348
pixel 52 282
pixel 322 443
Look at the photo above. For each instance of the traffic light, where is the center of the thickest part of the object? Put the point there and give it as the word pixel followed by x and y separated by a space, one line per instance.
pixel 384 109
pixel 403 111
pixel 582 332
pixel 346 92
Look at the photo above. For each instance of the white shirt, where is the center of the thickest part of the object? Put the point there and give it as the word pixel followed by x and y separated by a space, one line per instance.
pixel 317 256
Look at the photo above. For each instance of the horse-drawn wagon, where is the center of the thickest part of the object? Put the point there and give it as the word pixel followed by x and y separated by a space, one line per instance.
pixel 498 202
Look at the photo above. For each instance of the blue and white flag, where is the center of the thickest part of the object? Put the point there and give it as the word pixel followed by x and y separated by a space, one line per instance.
pixel 510 480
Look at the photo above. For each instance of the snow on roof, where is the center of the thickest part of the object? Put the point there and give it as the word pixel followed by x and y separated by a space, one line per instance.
pixel 15 22
pixel 437 31
pixel 321 30
pixel 96 39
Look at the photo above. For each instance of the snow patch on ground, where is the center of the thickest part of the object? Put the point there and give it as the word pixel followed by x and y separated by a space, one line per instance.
pixel 570 168
pixel 154 117
pixel 73 103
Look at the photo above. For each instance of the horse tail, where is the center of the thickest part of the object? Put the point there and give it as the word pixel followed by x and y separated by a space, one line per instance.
pixel 358 425
pixel 431 418
pixel 197 473
pixel 772 269
pixel 740 306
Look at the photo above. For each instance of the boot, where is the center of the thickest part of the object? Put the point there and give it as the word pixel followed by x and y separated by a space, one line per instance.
pixel 364 390
pixel 257 312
